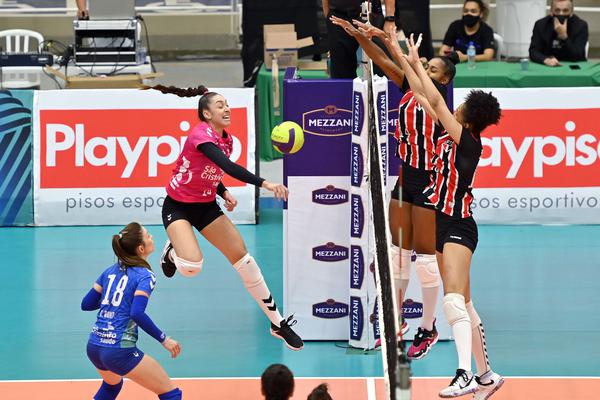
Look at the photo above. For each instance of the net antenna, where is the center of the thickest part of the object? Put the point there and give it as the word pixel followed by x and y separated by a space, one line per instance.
pixel 396 365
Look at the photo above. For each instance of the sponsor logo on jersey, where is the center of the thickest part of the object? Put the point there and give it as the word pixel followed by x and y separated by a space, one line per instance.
pixel 412 309
pixel 329 195
pixel 330 252
pixel 327 121
pixel 358 217
pixel 356 318
pixel 357 267
pixel 330 309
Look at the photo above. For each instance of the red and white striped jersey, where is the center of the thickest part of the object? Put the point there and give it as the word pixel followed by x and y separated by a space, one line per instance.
pixel 455 165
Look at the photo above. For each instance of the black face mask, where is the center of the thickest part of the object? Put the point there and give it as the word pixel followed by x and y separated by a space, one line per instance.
pixel 562 18
pixel 470 20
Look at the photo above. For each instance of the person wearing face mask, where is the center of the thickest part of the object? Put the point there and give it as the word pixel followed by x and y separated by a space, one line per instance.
pixel 471 28
pixel 560 36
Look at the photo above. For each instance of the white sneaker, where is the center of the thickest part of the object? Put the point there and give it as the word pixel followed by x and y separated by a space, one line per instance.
pixel 489 383
pixel 463 383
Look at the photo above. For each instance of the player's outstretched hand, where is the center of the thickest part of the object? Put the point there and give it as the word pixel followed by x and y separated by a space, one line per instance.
pixel 172 346
pixel 280 191
pixel 230 201
pixel 346 25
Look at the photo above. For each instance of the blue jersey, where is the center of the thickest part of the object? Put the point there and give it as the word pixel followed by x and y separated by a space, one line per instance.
pixel 114 327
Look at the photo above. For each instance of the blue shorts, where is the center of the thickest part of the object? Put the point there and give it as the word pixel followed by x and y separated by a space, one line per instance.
pixel 117 360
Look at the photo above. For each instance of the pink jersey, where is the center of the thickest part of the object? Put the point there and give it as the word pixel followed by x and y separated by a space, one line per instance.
pixel 195 177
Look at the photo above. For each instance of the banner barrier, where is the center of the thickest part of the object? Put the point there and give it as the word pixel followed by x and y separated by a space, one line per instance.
pixel 16 166
pixel 104 157
pixel 319 257
pixel 540 164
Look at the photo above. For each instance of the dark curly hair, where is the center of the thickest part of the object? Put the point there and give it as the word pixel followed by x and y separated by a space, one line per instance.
pixel 201 90
pixel 277 382
pixel 481 110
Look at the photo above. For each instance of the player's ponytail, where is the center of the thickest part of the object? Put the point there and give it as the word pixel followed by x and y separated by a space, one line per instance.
pixel 125 245
pixel 201 90
pixel 181 92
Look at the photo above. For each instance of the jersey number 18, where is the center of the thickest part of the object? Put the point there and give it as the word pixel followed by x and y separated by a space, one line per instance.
pixel 117 296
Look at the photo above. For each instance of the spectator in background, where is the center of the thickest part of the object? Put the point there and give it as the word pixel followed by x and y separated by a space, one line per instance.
pixel 343 47
pixel 471 28
pixel 82 11
pixel 321 392
pixel 560 36
pixel 277 382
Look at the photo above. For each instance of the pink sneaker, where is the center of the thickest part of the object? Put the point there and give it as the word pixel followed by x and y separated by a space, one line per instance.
pixel 424 340
pixel 403 329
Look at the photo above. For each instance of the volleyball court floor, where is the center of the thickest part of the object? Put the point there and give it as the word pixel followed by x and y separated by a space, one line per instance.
pixel 536 288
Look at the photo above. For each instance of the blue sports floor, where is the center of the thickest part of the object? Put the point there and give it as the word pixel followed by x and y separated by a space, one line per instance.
pixel 536 289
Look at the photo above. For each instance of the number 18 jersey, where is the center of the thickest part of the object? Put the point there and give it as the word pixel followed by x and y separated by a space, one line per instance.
pixel 114 326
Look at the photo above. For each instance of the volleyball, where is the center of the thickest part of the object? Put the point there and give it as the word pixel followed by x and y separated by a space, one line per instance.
pixel 287 137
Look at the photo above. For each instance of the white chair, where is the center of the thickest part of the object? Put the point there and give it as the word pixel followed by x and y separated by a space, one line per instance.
pixel 20 41
pixel 499 46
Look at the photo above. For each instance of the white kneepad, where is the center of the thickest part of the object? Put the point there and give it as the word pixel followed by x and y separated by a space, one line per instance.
pixel 427 270
pixel 455 309
pixel 405 263
pixel 188 268
pixel 249 271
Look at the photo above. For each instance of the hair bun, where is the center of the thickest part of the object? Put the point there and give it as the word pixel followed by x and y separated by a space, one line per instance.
pixel 453 57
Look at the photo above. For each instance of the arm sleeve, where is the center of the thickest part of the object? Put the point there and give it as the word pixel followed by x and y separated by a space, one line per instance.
pixel 91 300
pixel 537 44
pixel 139 316
pixel 575 43
pixel 211 151
pixel 221 189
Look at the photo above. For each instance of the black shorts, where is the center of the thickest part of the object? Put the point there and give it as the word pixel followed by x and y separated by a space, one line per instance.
pixel 200 215
pixel 455 230
pixel 414 182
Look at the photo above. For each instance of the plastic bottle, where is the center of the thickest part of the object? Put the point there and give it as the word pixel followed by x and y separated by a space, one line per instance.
pixel 471 56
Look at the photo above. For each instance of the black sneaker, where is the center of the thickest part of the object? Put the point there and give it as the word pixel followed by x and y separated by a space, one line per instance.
pixel 166 264
pixel 284 331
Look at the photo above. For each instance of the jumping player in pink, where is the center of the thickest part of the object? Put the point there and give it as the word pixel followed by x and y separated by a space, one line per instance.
pixel 191 203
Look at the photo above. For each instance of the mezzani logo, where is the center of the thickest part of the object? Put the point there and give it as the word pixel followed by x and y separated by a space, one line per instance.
pixel 329 195
pixel 382 112
pixel 330 309
pixel 357 216
pixel 374 320
pixel 412 309
pixel 327 121
pixel 358 113
pixel 357 164
pixel 330 252
pixel 357 319
pixel 357 267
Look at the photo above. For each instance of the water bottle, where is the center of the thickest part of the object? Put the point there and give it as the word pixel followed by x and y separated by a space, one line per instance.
pixel 471 56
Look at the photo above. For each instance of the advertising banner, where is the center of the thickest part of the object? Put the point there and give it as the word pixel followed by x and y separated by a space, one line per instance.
pixel 540 163
pixel 104 157
pixel 320 261
pixel 16 167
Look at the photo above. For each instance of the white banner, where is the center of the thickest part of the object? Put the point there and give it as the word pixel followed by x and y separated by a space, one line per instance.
pixel 317 293
pixel 104 157
pixel 540 164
